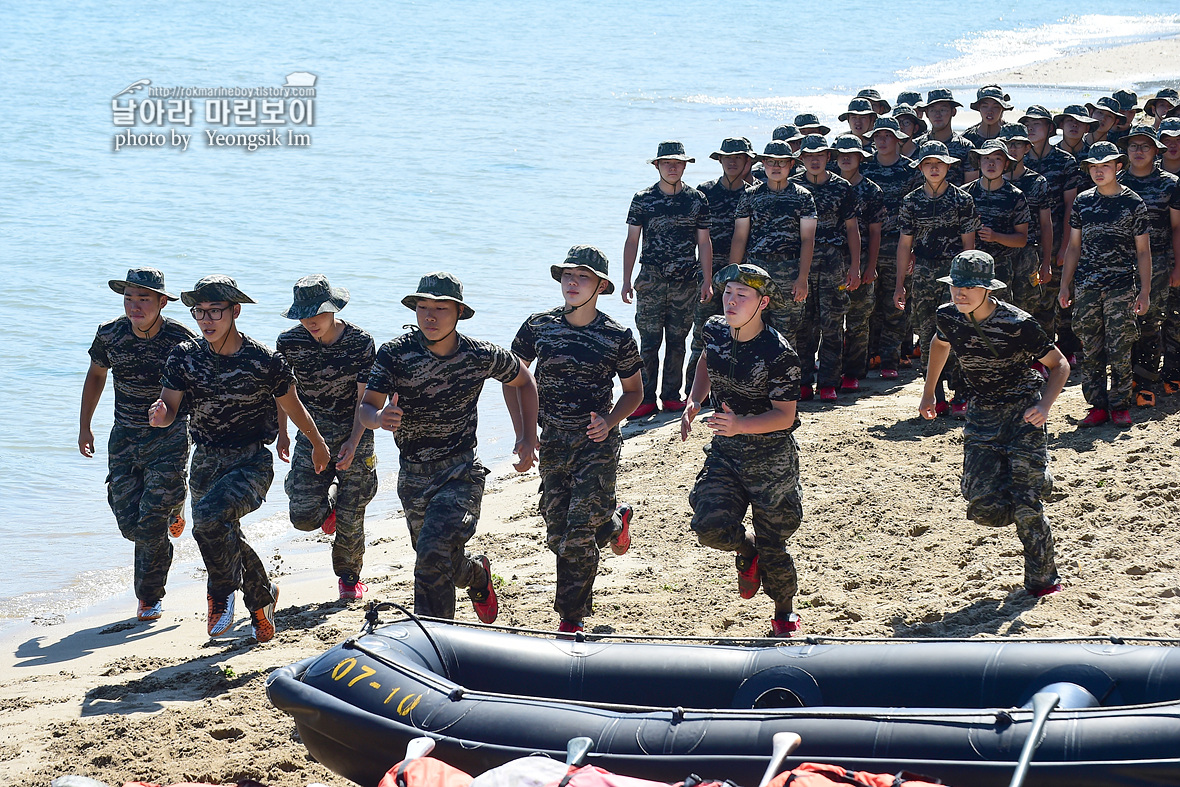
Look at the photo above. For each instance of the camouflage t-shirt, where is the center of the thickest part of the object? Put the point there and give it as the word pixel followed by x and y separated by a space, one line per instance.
pixel 137 365
pixel 937 224
pixel 576 366
pixel 774 218
pixel 1000 210
pixel 723 205
pixel 670 223
pixel 232 396
pixel 896 181
pixel 438 395
pixel 870 209
pixel 748 376
pixel 835 203
pixel 997 364
pixel 976 137
pixel 1161 194
pixel 958 146
pixel 1036 193
pixel 1109 227
pixel 1061 174
pixel 327 376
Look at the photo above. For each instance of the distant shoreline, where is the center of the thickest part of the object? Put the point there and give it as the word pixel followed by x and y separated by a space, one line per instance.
pixel 1145 65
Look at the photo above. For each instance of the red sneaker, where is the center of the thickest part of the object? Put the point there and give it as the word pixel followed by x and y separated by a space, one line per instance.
pixel 942 408
pixel 1049 591
pixel 329 526
pixel 785 627
pixel 672 405
pixel 749 578
pixel 352 592
pixel 643 411
pixel 487 606
pixel 905 362
pixel 569 628
pixel 959 409
pixel 176 527
pixel 888 374
pixel 827 394
pixel 916 352
pixel 620 540
pixel 1171 387
pixel 1096 417
pixel 149 610
pixel 1120 417
pixel 849 383
pixel 806 393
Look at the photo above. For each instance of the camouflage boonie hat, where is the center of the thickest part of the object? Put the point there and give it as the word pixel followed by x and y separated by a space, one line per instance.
pixel 995 93
pixel 1107 104
pixel 1077 112
pixel 671 150
pixel 1102 153
pixel 858 106
pixel 1170 128
pixel 753 277
pixel 906 110
pixel 810 120
pixel 1128 100
pixel 787 133
pixel 813 143
pixel 874 96
pixel 590 258
pixel 850 143
pixel 440 286
pixel 1036 112
pixel 1015 132
pixel 938 96
pixel 1166 94
pixel 991 146
pixel 144 278
pixel 731 146
pixel 778 149
pixel 1141 131
pixel 217 287
pixel 934 149
pixel 313 295
pixel 910 98
pixel 973 268
pixel 888 124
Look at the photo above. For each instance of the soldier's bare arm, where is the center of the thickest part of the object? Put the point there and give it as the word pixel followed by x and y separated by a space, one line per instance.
pixel 163 412
pixel 700 389
pixel 630 254
pixel 526 436
pixel 705 255
pixel 600 425
pixel 283 441
pixel 96 381
pixel 741 236
pixel 727 423
pixel 375 414
pixel 1068 196
pixel 1174 215
pixel 1058 367
pixel 348 450
pixel 320 456
pixel 939 352
pixel 1143 255
pixel 905 244
pixel 852 230
pixel 807 236
pixel 1072 251
pixel 1046 244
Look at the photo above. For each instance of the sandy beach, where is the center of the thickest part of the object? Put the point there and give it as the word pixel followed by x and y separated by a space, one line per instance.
pixel 885 550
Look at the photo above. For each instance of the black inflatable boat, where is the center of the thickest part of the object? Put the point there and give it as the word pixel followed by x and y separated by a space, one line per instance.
pixel 955 710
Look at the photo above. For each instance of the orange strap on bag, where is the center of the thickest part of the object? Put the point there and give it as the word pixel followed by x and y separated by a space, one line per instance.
pixel 425 772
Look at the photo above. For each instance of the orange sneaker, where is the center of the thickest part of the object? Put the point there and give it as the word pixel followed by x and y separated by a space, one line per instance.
pixel 221 614
pixel 262 621
pixel 151 611
pixel 176 527
pixel 1144 398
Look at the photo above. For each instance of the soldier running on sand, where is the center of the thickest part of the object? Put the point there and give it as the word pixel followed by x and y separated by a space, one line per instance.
pixel 671 219
pixel 424 388
pixel 579 351
pixel 331 360
pixel 232 384
pixel 1109 248
pixel 145 467
pixel 1005 447
pixel 751 376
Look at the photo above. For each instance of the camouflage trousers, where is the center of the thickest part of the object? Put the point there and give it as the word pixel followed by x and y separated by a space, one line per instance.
pixel 1171 334
pixel 441 501
pixel 1005 477
pixel 856 330
pixel 822 330
pixel 1006 263
pixel 1063 331
pixel 577 504
pixel 927 294
pixel 888 324
pixel 311 496
pixel 1039 300
pixel 227 484
pixel 784 271
pixel 760 473
pixel 701 314
pixel 1108 329
pixel 663 315
pixel 145 489
pixel 1148 349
